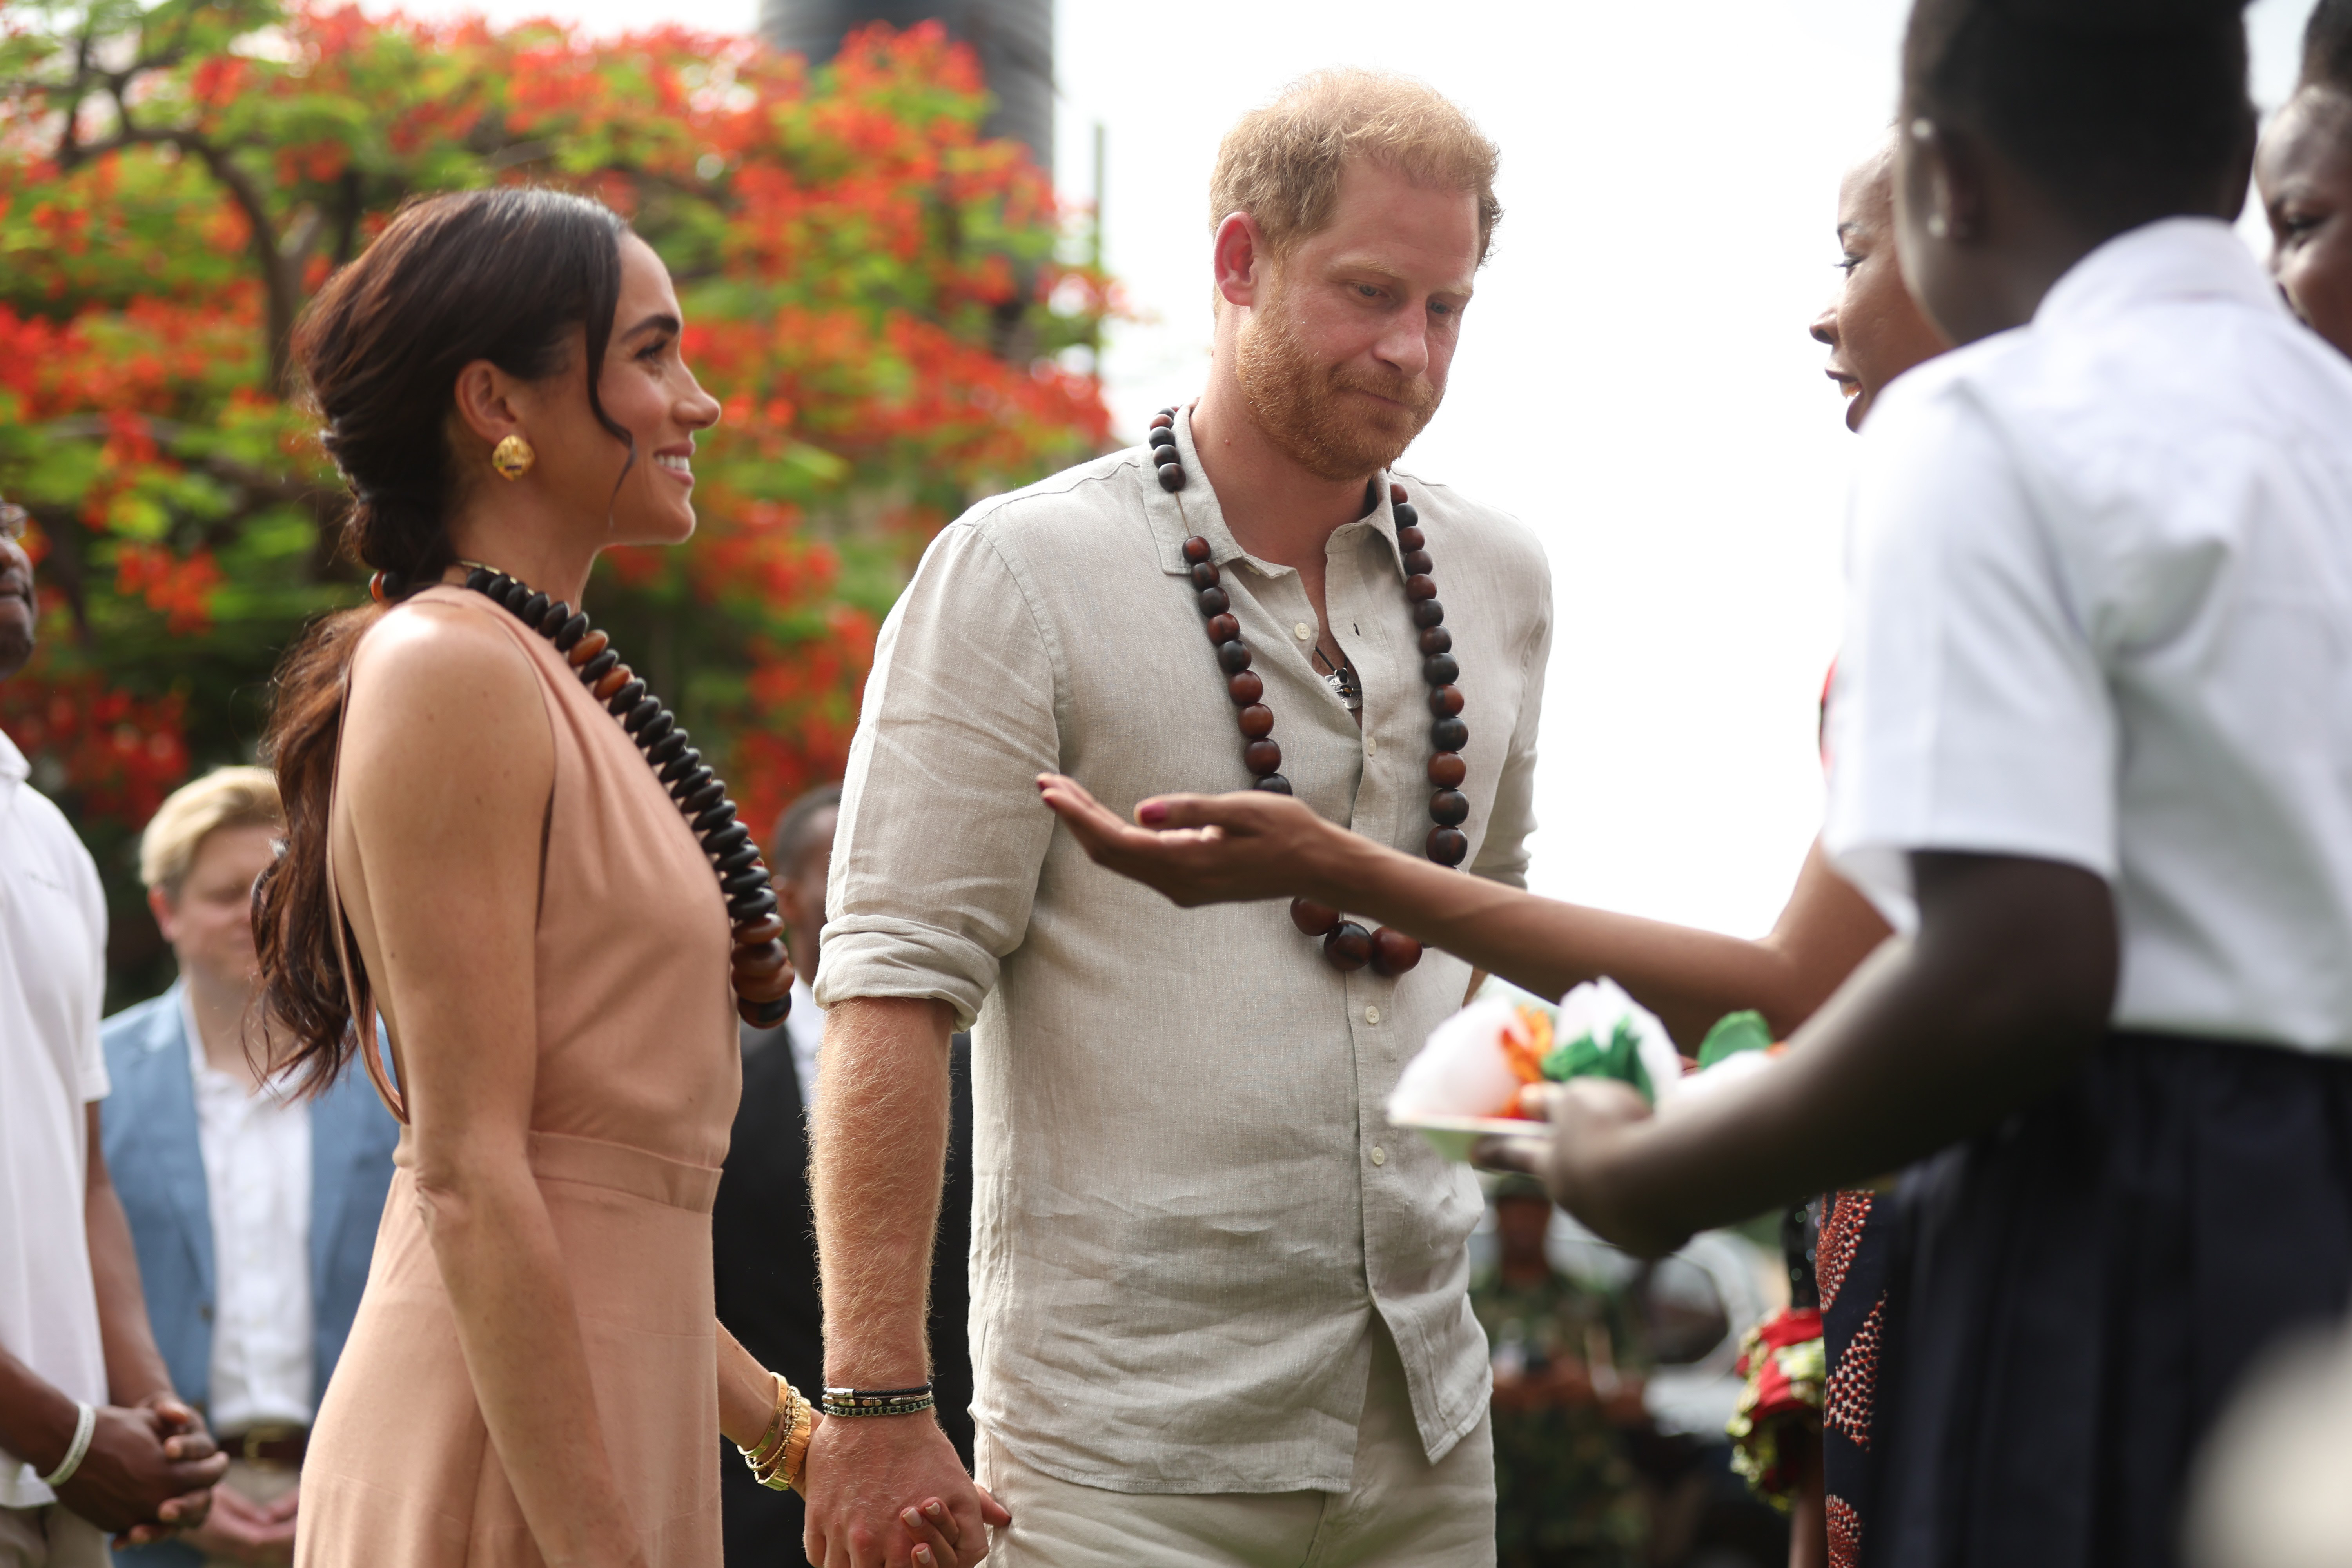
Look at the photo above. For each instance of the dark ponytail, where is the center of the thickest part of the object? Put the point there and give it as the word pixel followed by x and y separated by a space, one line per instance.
pixel 2124 110
pixel 504 274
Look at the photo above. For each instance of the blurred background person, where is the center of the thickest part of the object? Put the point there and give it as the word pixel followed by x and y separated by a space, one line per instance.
pixel 763 1231
pixel 253 1209
pixel 1569 1358
pixel 2303 173
pixel 2271 1490
pixel 92 1437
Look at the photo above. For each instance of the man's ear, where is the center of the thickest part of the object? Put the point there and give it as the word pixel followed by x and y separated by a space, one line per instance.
pixel 159 904
pixel 1240 259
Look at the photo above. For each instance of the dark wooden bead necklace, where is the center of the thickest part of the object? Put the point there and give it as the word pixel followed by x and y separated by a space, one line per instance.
pixel 761 967
pixel 1347 946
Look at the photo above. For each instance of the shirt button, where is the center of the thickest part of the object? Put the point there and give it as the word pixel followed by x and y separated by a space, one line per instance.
pixel 1371 1015
pixel 1302 631
pixel 1372 746
pixel 1379 1155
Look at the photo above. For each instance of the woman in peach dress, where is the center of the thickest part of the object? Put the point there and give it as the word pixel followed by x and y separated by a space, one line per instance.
pixel 479 844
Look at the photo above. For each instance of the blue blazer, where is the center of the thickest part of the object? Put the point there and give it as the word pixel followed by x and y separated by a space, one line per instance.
pixel 158 1166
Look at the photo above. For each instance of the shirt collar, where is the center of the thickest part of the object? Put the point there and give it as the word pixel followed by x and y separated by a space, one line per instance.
pixel 13 769
pixel 1178 515
pixel 228 1087
pixel 2172 258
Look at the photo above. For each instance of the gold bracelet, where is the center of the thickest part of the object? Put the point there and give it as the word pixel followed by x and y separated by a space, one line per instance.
pixel 782 1468
pixel 793 1465
pixel 762 1454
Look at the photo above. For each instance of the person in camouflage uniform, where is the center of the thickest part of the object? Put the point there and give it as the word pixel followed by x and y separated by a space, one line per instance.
pixel 1568 1365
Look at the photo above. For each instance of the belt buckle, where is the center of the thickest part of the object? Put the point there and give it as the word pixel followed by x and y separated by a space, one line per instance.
pixel 254 1439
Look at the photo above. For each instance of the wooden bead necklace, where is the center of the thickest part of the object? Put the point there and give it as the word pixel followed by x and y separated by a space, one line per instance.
pixel 761 967
pixel 1347 946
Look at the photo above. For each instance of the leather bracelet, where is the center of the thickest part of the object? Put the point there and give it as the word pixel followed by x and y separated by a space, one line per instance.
pixel 85 1424
pixel 857 1402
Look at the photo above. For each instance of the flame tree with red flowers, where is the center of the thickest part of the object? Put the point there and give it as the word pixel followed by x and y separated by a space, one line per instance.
pixel 879 295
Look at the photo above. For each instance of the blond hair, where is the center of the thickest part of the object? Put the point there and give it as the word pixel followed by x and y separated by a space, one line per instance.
pixel 1282 163
pixel 224 797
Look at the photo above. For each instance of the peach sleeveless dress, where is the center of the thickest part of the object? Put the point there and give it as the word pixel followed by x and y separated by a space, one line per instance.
pixel 638 1076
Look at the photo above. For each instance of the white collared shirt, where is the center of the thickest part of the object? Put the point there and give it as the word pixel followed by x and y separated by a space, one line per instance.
pixel 2100 613
pixel 256 1150
pixel 804 1031
pixel 52 988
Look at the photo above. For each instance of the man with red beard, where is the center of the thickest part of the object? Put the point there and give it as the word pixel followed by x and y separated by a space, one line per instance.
pixel 1218 1305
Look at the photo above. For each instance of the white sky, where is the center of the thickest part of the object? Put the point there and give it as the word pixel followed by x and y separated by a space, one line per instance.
pixel 1635 383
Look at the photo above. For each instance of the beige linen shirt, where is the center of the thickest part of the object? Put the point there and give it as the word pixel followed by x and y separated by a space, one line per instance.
pixel 1189 1202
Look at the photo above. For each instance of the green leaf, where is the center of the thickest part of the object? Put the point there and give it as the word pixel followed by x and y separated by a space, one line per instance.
pixel 1734 1033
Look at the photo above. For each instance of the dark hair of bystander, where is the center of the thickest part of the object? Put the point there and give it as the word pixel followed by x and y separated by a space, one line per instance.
pixel 2123 111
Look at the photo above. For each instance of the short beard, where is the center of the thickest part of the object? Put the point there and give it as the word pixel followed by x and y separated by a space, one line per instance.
pixel 1299 404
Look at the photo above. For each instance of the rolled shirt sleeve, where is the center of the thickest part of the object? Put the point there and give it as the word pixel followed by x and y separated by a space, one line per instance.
pixel 932 877
pixel 1970 711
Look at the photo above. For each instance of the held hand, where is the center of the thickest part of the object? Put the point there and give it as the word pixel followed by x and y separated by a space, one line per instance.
pixel 1593 1123
pixel 858 1478
pixel 939 1539
pixel 145 1468
pixel 1198 849
pixel 247 1531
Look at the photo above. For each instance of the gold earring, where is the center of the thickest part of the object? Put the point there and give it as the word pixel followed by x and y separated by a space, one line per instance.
pixel 512 457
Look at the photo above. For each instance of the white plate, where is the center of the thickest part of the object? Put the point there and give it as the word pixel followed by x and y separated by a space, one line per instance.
pixel 1452 1135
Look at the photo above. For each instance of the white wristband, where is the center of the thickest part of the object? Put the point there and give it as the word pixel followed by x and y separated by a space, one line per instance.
pixel 85 1423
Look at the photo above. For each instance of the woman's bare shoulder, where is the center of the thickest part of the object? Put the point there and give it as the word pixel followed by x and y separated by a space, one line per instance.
pixel 434 675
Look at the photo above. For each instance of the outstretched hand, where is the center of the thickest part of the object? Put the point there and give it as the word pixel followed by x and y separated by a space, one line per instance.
pixel 1201 849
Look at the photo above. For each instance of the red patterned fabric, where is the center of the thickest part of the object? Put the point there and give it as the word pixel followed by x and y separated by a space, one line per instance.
pixel 1845 1532
pixel 1849 1400
pixel 1841 1234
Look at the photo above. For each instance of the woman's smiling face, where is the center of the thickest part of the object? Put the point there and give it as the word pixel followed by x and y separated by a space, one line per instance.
pixel 2304 171
pixel 645 388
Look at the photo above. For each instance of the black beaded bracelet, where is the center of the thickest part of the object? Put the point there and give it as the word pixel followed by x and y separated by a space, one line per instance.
pixel 877 1401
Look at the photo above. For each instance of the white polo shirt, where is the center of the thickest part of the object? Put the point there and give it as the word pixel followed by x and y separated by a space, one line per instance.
pixel 2100 613
pixel 52 988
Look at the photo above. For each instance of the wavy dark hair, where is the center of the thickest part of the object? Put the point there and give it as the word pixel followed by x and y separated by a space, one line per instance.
pixel 504 274
pixel 2125 111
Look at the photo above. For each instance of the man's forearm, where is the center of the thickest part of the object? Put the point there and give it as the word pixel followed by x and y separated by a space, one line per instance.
pixel 134 1367
pixel 37 1419
pixel 880 1149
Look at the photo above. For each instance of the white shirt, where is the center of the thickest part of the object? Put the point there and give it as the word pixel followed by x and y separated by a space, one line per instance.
pixel 1189 1205
pixel 804 1028
pixel 2101 614
pixel 256 1150
pixel 52 989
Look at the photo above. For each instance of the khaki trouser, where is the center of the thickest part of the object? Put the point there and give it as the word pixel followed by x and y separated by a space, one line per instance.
pixel 1399 1511
pixel 50 1537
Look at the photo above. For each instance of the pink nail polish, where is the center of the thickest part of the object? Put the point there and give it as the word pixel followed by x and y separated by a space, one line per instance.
pixel 1151 813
